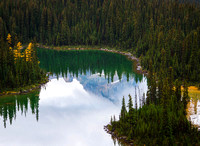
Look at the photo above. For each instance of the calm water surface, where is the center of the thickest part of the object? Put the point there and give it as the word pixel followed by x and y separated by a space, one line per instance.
pixel 84 91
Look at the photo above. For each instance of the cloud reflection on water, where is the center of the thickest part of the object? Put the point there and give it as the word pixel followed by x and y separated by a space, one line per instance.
pixel 79 115
pixel 76 103
pixel 71 114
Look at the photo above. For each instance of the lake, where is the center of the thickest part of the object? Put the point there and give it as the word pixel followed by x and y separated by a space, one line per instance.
pixel 85 89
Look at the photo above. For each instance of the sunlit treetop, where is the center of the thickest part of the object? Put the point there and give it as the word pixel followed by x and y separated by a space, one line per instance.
pixel 10 48
pixel 28 52
pixel 9 39
pixel 19 45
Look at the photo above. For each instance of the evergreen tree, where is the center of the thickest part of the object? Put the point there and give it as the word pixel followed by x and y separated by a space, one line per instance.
pixel 123 110
pixel 185 97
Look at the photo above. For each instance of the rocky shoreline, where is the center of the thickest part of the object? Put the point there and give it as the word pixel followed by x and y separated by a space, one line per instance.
pixel 25 91
pixel 128 55
pixel 122 139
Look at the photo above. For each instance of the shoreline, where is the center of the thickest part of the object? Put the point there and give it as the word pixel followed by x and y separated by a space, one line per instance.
pixel 25 91
pixel 122 139
pixel 131 57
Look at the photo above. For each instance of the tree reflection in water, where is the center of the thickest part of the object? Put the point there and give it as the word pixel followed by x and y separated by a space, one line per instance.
pixel 10 105
pixel 80 62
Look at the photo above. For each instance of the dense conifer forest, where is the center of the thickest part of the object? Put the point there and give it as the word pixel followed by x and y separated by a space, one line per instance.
pixel 141 26
pixel 162 119
pixel 165 34
pixel 18 67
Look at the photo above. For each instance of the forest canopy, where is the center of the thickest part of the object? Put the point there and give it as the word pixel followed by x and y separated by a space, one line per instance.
pixel 147 28
pixel 18 67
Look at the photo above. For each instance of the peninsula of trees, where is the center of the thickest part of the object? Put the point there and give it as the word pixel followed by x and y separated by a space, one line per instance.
pixel 162 118
pixel 18 67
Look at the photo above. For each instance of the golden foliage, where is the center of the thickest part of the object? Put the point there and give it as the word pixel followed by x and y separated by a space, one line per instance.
pixel 192 89
pixel 17 52
pixel 19 45
pixel 9 39
pixel 28 52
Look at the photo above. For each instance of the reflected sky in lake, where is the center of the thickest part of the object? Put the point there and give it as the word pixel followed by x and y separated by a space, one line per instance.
pixel 71 108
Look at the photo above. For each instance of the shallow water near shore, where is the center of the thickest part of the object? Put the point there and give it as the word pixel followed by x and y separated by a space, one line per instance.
pixel 85 89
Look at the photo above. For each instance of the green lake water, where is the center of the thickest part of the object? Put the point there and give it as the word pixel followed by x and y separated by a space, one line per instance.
pixel 85 89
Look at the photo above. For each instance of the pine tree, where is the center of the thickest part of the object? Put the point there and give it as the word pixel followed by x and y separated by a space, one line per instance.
pixel 131 117
pixel 123 110
pixel 151 86
pixel 185 98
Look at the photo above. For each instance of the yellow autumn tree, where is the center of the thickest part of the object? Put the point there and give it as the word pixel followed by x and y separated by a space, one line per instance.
pixel 28 52
pixel 19 47
pixel 10 48
pixel 17 52
pixel 9 39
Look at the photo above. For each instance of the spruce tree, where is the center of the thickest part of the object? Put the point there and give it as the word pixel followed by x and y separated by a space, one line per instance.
pixel 123 110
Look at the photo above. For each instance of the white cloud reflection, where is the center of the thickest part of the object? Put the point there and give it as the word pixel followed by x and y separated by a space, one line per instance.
pixel 61 94
pixel 81 122
pixel 69 115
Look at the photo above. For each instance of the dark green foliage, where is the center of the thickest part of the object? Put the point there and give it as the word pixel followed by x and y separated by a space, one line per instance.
pixel 141 26
pixel 151 86
pixel 162 121
pixel 19 73
pixel 185 96
pixel 123 110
